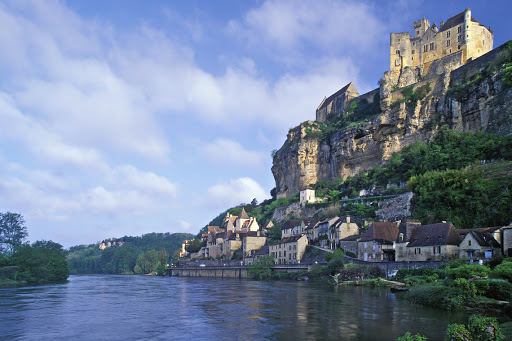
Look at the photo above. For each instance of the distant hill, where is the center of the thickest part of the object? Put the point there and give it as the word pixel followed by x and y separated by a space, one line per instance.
pixel 126 255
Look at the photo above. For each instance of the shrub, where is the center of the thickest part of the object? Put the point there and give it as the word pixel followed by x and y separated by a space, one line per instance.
pixel 484 328
pixel 409 337
pixel 468 271
pixel 457 332
pixel 437 296
pixel 334 265
pixel 350 254
pixel 503 270
pixel 499 289
pixel 262 268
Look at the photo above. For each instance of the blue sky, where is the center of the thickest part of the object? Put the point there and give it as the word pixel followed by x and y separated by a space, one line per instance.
pixel 128 117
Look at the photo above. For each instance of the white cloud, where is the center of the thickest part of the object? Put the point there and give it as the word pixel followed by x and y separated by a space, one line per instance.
pixel 234 192
pixel 288 25
pixel 228 152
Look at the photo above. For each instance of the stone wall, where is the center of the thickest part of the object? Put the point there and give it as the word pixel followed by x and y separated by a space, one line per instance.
pixel 389 267
pixel 395 208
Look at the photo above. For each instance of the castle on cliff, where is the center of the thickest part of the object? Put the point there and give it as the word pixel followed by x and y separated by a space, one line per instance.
pixel 461 33
pixel 458 40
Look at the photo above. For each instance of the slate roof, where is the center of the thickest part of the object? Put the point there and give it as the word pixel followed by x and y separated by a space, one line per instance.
pixel 329 99
pixel 351 238
pixel 262 251
pixel 381 232
pixel 485 239
pixel 454 21
pixel 402 228
pixel 310 223
pixel 288 240
pixel 290 224
pixel 434 234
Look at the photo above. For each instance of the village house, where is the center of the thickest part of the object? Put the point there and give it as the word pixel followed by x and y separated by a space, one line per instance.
pixel 433 242
pixel 349 244
pixel 289 250
pixel 506 240
pixel 321 231
pixel 340 229
pixel 252 241
pixel 291 228
pixel 336 103
pixel 479 244
pixel 405 230
pixel 377 242
pixel 255 255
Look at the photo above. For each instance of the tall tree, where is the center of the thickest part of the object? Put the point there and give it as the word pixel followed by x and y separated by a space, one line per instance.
pixel 12 232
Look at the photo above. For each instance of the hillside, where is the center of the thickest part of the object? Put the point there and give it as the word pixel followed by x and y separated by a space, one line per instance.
pixel 408 107
pixel 145 254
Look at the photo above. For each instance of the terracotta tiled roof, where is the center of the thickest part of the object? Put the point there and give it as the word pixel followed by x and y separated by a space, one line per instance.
pixel 383 232
pixel 434 234
pixel 213 228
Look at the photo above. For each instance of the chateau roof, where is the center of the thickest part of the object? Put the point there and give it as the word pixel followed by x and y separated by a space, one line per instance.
pixel 383 232
pixel 350 86
pixel 454 21
pixel 434 234
pixel 243 214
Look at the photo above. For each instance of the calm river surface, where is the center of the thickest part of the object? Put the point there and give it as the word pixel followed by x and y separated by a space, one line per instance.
pixel 110 307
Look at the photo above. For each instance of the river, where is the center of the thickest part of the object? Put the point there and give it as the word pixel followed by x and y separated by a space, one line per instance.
pixel 111 307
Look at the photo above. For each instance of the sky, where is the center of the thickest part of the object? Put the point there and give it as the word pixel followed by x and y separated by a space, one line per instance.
pixel 127 117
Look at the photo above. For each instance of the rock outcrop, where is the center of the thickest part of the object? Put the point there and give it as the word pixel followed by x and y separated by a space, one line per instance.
pixel 467 98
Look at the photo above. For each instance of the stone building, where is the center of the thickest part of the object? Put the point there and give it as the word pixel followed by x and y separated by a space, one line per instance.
pixel 479 244
pixel 459 34
pixel 289 250
pixel 349 244
pixel 433 242
pixel 405 230
pixel 342 228
pixel 336 103
pixel 377 242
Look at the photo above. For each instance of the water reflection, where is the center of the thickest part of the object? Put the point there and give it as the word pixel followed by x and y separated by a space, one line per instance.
pixel 144 307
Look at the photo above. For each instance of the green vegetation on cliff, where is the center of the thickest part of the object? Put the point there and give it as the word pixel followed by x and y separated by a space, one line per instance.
pixel 447 176
pixel 142 255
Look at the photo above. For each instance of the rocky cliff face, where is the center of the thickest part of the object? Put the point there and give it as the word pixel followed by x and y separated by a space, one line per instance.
pixel 467 98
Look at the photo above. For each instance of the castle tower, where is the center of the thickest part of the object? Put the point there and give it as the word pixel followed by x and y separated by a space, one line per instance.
pixel 420 27
pixel 465 29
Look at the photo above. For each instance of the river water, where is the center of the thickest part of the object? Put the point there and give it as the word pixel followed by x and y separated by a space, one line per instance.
pixel 110 307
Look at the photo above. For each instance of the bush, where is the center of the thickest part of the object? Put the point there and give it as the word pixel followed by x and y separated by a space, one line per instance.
pixel 468 271
pixel 350 254
pixel 262 268
pixel 484 328
pixel 503 270
pixel 334 265
pixel 499 289
pixel 457 332
pixel 409 337
pixel 437 296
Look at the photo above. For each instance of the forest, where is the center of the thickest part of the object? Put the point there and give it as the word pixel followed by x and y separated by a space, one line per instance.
pixel 148 254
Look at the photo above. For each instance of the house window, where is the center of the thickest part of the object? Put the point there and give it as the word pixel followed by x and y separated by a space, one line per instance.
pixel 469 242
pixel 284 253
pixel 431 46
pixel 448 34
pixel 412 51
pixel 459 39
pixel 365 245
pixel 425 48
pixel 374 246
pixel 459 29
pixel 397 52
pixel 295 247
pixel 448 42
pixel 439 249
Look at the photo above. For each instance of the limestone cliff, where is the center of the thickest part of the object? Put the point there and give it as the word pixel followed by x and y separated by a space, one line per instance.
pixel 467 98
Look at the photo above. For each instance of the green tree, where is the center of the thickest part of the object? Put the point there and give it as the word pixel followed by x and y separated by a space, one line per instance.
pixel 262 268
pixel 12 232
pixel 409 337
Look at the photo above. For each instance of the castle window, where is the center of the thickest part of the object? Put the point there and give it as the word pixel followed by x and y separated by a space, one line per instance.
pixel 459 29
pixel 412 51
pixel 459 47
pixel 417 32
pixel 398 52
pixel 448 42
pixel 448 34
pixel 459 39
